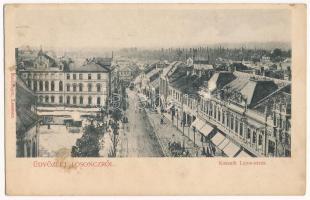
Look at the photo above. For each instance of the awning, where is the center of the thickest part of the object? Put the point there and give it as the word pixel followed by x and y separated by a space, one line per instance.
pixel 223 144
pixel 231 149
pixel 206 130
pixel 243 154
pixel 198 124
pixel 217 139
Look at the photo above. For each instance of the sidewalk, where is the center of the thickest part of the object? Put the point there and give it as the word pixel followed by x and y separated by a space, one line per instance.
pixel 167 132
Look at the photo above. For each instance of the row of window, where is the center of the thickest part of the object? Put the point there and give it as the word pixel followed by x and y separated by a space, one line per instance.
pixel 69 100
pixel 74 86
pixel 89 76
pixel 41 76
pixel 52 75
pixel 231 122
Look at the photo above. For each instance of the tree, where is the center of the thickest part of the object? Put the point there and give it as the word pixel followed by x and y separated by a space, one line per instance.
pixel 88 145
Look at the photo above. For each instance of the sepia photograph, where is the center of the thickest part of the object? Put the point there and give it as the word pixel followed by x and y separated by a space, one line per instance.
pixel 199 95
pixel 106 88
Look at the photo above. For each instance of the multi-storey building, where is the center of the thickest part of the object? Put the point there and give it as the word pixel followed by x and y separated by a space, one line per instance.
pixel 65 83
pixel 252 113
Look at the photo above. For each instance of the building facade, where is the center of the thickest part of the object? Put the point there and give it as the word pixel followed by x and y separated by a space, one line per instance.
pixel 65 83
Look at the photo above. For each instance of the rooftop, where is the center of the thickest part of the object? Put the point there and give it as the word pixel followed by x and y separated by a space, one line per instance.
pixel 89 67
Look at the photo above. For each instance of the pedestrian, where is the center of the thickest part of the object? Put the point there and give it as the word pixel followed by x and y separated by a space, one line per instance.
pixel 208 152
pixel 203 151
pixel 213 150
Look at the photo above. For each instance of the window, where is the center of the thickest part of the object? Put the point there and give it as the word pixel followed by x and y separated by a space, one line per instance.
pixel 223 117
pixel 74 87
pixel 74 76
pixel 68 76
pixel 227 120
pixel 260 140
pixel 52 99
pixel 215 110
pixel 89 76
pixel 81 100
pixel 254 137
pixel 98 76
pixel 236 125
pixel 68 87
pixel 68 99
pixel 74 100
pixel 60 99
pixel 60 86
pixel 98 100
pixel 29 83
pixel 248 134
pixel 89 87
pixel 41 85
pixel 52 86
pixel 46 85
pixel 211 109
pixel 219 115
pixel 41 99
pixel 89 100
pixel 232 122
pixel 46 99
pixel 98 87
pixel 80 76
pixel 80 87
pixel 241 129
pixel 35 86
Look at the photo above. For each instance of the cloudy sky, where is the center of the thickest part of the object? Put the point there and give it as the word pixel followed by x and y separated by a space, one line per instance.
pixel 115 28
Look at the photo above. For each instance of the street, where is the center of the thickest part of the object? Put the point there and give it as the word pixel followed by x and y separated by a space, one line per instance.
pixel 137 138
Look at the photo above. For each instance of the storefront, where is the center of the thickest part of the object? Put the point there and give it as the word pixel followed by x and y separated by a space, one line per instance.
pixel 225 145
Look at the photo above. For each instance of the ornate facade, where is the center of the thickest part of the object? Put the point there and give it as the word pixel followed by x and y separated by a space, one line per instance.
pixel 65 83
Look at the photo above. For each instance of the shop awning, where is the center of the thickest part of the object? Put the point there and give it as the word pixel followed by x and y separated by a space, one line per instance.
pixel 231 149
pixel 223 144
pixel 217 139
pixel 198 124
pixel 206 130
pixel 243 154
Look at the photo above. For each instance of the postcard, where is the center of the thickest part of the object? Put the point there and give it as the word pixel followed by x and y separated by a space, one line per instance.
pixel 155 99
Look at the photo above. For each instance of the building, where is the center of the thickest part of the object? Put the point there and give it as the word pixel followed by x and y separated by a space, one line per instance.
pixel 251 114
pixel 64 83
pixel 27 121
pixel 180 84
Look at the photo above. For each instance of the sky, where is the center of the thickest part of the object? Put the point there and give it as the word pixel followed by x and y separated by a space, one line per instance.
pixel 119 28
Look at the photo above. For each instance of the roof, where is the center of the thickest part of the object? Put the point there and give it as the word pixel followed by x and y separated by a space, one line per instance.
pixel 220 79
pixel 25 118
pixel 169 68
pixel 152 73
pixel 187 84
pixel 155 83
pixel 282 95
pixel 89 67
pixel 251 90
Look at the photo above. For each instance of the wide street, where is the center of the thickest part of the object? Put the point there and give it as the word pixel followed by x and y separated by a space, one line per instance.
pixel 137 139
